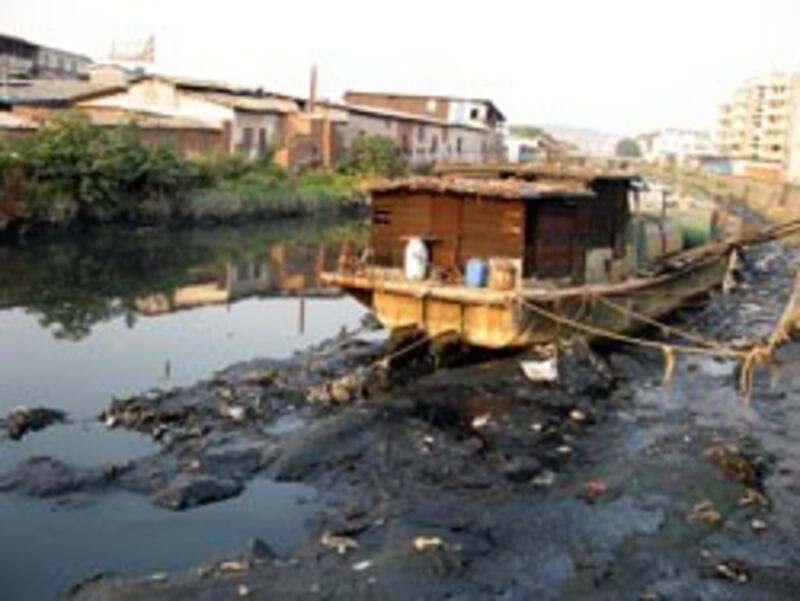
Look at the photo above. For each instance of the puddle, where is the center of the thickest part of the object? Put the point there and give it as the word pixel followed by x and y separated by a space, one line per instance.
pixel 47 547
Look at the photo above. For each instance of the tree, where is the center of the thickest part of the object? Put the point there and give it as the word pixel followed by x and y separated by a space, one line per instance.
pixel 628 147
pixel 376 156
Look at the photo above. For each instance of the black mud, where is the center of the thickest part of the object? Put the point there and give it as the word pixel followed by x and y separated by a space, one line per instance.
pixel 471 482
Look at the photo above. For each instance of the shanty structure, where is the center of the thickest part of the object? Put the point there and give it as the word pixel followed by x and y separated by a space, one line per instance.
pixel 555 241
pixel 569 228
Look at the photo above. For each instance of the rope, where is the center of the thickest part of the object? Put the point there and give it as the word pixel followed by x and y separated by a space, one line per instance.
pixel 751 359
pixel 696 338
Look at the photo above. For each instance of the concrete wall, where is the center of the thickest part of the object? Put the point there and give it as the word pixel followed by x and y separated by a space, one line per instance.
pixel 255 133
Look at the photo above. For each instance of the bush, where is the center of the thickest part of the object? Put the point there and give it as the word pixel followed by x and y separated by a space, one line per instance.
pixel 376 156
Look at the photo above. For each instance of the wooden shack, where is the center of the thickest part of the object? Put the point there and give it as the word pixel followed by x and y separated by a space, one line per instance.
pixel 559 229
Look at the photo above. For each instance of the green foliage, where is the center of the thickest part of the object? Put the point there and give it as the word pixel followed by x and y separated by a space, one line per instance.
pixel 376 156
pixel 526 131
pixel 628 147
pixel 72 170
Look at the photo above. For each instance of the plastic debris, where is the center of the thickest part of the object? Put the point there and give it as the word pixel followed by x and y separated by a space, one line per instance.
pixel 705 512
pixel 758 525
pixel 481 421
pixel 234 566
pixel 733 570
pixel 545 370
pixel 544 480
pixel 243 591
pixel 422 544
pixel 577 415
pixel 362 565
pixel 340 544
pixel 595 488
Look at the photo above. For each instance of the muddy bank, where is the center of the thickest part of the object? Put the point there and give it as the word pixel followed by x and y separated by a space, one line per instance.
pixel 472 482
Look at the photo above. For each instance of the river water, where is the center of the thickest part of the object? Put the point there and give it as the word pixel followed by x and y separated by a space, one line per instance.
pixel 118 312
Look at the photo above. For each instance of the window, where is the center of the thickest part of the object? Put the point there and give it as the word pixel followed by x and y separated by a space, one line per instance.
pixel 459 145
pixel 421 133
pixel 247 138
pixel 474 113
pixel 434 144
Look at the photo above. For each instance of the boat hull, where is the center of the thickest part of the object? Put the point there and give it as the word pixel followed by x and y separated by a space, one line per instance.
pixel 507 319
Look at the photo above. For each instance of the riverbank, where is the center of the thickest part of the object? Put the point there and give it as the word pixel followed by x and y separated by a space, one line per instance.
pixel 474 482
pixel 774 201
pixel 72 172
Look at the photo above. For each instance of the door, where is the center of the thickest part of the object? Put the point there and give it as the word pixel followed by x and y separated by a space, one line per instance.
pixel 555 241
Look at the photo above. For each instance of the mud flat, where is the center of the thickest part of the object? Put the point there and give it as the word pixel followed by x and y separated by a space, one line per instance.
pixel 471 482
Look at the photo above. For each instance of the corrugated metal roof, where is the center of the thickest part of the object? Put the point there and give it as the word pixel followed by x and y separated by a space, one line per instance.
pixel 543 171
pixel 495 188
pixel 432 97
pixel 265 104
pixel 52 91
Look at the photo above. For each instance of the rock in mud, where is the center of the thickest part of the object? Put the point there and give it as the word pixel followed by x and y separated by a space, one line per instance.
pixel 189 490
pixel 47 477
pixel 22 420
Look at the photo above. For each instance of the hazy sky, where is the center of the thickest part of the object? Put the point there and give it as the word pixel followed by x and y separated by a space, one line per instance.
pixel 618 65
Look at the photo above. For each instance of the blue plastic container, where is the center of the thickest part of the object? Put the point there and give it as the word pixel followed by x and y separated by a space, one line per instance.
pixel 477 273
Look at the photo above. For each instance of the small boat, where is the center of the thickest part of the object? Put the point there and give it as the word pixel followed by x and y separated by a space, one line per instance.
pixel 511 257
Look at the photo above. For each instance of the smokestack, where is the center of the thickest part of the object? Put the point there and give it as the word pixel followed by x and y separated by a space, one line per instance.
pixel 312 91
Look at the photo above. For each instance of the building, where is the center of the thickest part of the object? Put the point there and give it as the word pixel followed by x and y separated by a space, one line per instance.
pixel 755 126
pixel 20 58
pixel 538 147
pixel 793 159
pixel 431 128
pixel 675 145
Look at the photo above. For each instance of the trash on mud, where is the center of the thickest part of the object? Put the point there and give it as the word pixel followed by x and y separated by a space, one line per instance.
pixel 340 544
pixel 545 370
pixel 243 590
pixel 705 512
pixel 481 421
pixel 22 420
pixel 362 565
pixel 733 570
pixel 758 525
pixel 594 489
pixel 577 415
pixel 753 498
pixel 421 544
pixel 734 464
pixel 234 566
pixel 544 480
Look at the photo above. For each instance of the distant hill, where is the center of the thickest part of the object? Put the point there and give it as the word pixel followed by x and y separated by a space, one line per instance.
pixel 590 141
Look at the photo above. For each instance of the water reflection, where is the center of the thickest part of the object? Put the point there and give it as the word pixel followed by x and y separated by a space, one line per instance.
pixel 74 283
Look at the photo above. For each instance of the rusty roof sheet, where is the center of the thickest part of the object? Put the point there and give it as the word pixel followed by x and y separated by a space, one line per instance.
pixel 255 104
pixel 52 91
pixel 539 171
pixel 495 188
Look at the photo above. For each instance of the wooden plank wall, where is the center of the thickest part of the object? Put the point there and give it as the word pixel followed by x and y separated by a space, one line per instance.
pixel 460 228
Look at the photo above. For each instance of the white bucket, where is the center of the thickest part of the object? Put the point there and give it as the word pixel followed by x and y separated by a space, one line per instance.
pixel 416 259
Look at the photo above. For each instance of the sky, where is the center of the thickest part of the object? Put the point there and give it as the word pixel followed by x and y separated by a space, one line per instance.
pixel 622 66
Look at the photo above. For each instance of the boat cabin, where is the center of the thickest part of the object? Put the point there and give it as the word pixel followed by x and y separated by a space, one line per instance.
pixel 567 229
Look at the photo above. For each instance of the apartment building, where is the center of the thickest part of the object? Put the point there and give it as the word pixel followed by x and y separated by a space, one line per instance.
pixel 756 122
pixel 674 144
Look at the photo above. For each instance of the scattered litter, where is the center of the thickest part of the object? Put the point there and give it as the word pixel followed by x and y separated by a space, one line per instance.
pixel 158 576
pixel 362 565
pixel 544 479
pixel 733 570
pixel 536 427
pixel 481 421
pixel 705 512
pixel 234 566
pixel 564 449
pixel 753 498
pixel 577 415
pixel 340 544
pixel 232 412
pixel 427 543
pixel 758 525
pixel 735 465
pixel 595 488
pixel 541 371
pixel 244 591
